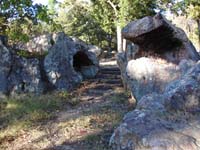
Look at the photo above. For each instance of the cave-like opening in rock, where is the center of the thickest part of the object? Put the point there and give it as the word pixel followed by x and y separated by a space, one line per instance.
pixel 81 59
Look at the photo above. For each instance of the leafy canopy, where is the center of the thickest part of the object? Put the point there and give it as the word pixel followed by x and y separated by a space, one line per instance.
pixel 18 16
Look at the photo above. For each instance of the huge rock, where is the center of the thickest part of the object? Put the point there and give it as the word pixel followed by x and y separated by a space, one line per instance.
pixel 164 121
pixel 68 63
pixel 153 60
pixel 157 36
pixel 163 74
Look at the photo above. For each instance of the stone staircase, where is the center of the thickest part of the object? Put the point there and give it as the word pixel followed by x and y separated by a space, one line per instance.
pixel 107 79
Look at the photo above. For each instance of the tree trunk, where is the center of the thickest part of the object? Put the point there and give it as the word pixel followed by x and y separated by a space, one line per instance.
pixel 124 44
pixel 119 39
pixel 110 42
pixel 198 24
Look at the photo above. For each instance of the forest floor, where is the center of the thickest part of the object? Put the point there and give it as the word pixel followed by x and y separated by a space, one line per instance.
pixel 82 120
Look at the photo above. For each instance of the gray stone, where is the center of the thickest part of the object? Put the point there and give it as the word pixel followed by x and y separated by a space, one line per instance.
pixel 91 48
pixel 5 67
pixel 161 53
pixel 89 71
pixel 65 66
pixel 58 64
pixel 184 94
pixel 39 44
pixel 25 76
pixel 157 36
pixel 146 75
pixel 164 121
pixel 66 61
pixel 95 49
pixel 122 60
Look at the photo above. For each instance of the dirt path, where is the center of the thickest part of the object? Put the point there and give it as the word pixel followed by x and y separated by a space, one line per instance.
pixel 88 124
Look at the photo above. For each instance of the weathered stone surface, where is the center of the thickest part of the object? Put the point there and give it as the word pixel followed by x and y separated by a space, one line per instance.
pixel 91 48
pixel 65 62
pixel 164 76
pixel 147 75
pixel 57 63
pixel 5 67
pixel 64 67
pixel 122 61
pixel 184 94
pixel 89 71
pixel 164 121
pixel 157 36
pixel 156 57
pixel 25 76
pixel 38 44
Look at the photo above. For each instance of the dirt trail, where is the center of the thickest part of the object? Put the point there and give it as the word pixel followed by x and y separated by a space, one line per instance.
pixel 87 125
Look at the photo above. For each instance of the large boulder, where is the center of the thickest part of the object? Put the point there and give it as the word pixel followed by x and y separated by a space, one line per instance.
pixel 63 66
pixel 157 36
pixel 153 61
pixel 164 121
pixel 58 64
pixel 164 76
pixel 68 63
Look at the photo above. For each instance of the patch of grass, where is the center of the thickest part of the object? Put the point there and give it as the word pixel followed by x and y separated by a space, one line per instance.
pixel 27 111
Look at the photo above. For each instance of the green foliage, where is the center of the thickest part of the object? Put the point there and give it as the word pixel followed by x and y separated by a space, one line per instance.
pixel 111 12
pixel 95 21
pixel 17 18
pixel 76 20
pixel 51 6
pixel 188 8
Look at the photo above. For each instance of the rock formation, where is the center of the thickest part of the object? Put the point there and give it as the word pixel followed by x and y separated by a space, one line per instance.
pixel 162 70
pixel 164 121
pixel 63 67
pixel 153 62
pixel 5 67
pixel 156 36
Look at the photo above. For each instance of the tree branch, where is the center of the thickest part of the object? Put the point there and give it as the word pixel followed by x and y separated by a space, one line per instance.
pixel 113 6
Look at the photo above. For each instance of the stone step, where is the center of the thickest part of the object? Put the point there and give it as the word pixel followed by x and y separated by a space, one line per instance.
pixel 107 76
pixel 105 80
pixel 110 69
pixel 110 72
pixel 116 81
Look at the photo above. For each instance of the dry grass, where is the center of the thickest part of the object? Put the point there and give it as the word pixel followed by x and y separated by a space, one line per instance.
pixel 24 112
pixel 90 129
